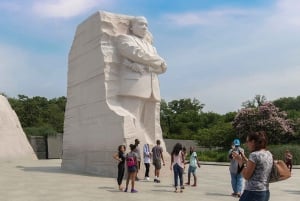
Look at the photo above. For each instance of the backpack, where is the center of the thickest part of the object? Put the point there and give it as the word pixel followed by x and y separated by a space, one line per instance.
pixel 130 161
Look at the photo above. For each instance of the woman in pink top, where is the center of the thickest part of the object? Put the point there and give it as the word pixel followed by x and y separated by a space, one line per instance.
pixel 177 164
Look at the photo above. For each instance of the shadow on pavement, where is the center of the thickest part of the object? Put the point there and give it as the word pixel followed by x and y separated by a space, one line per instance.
pixel 292 192
pixel 217 194
pixel 51 169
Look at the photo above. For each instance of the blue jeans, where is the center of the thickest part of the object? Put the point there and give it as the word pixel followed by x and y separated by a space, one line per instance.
pixel 255 196
pixel 178 171
pixel 236 182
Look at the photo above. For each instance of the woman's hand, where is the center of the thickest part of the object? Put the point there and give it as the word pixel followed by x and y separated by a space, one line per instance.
pixel 236 156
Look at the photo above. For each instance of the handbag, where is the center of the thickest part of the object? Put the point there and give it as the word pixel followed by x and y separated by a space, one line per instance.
pixel 279 171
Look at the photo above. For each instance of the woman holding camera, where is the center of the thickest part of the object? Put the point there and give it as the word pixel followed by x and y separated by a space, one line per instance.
pixel 256 170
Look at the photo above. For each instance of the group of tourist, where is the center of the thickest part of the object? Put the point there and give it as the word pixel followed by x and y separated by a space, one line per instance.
pixel 255 168
pixel 133 162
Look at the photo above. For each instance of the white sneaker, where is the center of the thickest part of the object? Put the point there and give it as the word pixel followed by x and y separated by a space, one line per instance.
pixel 147 178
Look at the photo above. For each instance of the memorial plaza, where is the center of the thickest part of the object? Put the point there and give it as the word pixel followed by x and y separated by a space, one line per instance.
pixel 44 180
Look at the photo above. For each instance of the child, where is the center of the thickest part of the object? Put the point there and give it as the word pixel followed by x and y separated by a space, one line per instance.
pixel 194 162
pixel 131 162
pixel 120 157
pixel 288 157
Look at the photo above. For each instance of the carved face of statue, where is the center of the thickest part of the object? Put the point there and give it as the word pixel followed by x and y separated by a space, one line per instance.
pixel 139 26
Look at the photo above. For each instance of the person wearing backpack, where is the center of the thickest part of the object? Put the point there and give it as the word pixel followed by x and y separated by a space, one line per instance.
pixel 131 163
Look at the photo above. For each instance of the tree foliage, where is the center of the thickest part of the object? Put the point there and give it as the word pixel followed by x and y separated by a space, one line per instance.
pixel 180 118
pixel 219 135
pixel 266 117
pixel 184 119
pixel 39 114
pixel 257 101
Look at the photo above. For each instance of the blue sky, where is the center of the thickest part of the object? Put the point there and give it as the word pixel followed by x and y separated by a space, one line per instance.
pixel 220 52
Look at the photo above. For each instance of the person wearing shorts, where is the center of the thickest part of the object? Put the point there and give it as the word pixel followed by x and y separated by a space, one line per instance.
pixel 193 163
pixel 157 158
pixel 131 169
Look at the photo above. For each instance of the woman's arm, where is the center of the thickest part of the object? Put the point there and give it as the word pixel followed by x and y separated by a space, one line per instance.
pixel 248 170
pixel 172 160
pixel 116 157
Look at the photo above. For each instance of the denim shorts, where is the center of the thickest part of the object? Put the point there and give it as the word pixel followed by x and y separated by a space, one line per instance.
pixel 192 170
pixel 255 196
pixel 132 169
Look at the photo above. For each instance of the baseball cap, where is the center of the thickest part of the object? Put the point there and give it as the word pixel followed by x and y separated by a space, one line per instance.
pixel 236 142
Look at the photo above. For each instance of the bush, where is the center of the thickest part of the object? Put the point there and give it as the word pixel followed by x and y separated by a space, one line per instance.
pixel 279 150
pixel 40 131
pixel 213 156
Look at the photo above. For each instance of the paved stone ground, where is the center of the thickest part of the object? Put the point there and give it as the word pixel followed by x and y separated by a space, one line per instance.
pixel 43 180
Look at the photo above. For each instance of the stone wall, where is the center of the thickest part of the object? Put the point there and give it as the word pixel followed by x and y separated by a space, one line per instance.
pixel 51 147
pixel 47 147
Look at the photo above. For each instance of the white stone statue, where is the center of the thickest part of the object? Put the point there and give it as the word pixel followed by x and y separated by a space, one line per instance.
pixel 13 142
pixel 139 87
pixel 113 93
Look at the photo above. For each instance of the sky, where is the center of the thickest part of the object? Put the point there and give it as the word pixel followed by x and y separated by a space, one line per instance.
pixel 222 53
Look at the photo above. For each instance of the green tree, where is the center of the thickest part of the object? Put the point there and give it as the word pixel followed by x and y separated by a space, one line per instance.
pixel 219 135
pixel 257 101
pixel 37 114
pixel 180 118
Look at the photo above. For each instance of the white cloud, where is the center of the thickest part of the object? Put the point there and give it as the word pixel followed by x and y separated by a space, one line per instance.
pixel 211 17
pixel 9 6
pixel 286 14
pixel 66 8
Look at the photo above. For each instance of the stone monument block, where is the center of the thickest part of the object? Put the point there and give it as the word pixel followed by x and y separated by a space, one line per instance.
pixel 113 93
pixel 13 142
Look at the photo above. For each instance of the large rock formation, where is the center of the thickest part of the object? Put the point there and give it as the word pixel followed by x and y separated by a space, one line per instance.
pixel 98 118
pixel 13 142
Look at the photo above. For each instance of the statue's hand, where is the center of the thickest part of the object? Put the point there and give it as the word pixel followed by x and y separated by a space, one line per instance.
pixel 137 68
pixel 163 66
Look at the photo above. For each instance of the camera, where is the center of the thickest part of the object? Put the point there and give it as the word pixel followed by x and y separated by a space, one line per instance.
pixel 235 149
